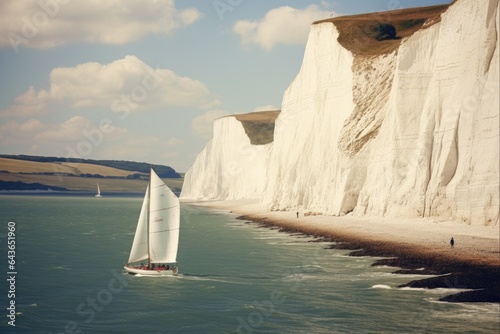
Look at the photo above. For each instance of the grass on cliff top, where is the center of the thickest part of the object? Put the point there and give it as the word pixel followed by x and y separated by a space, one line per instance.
pixel 259 116
pixel 358 33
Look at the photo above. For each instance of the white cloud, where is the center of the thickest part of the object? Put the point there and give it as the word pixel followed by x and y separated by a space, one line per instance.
pixel 13 132
pixel 80 137
pixel 283 25
pixel 49 23
pixel 31 102
pixel 76 128
pixel 125 85
pixel 68 131
pixel 202 126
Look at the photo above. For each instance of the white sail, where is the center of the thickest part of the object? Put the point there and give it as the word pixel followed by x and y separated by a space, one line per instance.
pixel 164 217
pixel 98 191
pixel 139 249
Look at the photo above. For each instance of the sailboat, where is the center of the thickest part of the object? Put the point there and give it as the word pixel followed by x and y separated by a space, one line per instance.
pixel 157 235
pixel 98 191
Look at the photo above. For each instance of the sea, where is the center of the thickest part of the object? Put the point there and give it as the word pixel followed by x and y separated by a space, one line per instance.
pixel 64 274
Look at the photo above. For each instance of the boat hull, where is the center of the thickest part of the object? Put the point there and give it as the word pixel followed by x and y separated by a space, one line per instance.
pixel 151 272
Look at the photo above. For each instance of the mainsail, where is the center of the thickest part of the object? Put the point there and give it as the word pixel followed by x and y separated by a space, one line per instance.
pixel 157 233
pixel 164 217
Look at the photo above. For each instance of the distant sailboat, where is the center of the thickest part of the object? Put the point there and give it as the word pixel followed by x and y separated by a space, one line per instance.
pixel 157 235
pixel 98 191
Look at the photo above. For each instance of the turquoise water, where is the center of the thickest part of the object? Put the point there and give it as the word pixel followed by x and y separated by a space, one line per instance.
pixel 235 278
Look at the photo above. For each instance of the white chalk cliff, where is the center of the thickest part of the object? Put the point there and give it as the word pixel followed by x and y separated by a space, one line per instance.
pixel 399 128
pixel 232 165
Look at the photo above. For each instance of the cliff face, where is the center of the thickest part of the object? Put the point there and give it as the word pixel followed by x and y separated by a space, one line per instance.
pixel 232 165
pixel 438 149
pixel 399 127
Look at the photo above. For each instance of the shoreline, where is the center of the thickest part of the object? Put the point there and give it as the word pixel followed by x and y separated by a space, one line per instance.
pixel 406 244
pixel 68 193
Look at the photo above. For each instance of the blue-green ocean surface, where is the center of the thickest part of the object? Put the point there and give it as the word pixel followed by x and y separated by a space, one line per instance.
pixel 234 278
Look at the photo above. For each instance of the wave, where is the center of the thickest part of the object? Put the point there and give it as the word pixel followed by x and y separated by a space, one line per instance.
pixel 435 290
pixel 61 268
pixel 299 277
pixel 214 278
pixel 381 286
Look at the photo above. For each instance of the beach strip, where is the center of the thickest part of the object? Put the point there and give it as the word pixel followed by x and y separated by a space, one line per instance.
pixel 416 245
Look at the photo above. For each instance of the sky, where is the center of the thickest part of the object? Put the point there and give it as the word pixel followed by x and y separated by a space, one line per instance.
pixel 144 80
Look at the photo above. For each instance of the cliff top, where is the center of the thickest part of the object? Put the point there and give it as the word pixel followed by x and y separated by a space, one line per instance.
pixel 382 32
pixel 259 126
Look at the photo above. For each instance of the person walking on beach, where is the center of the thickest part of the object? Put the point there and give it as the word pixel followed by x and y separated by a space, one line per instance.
pixel 297 214
pixel 452 242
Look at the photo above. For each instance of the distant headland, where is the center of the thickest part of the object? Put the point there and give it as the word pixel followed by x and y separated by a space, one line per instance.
pixel 40 173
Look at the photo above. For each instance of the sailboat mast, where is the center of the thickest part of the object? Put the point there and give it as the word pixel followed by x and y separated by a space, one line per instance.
pixel 148 213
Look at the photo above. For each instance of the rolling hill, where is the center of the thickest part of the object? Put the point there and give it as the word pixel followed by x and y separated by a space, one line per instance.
pixel 46 173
